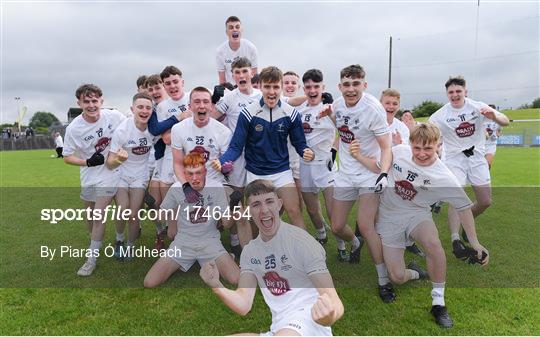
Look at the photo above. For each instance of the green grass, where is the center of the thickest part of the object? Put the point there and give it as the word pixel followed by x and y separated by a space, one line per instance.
pixel 46 297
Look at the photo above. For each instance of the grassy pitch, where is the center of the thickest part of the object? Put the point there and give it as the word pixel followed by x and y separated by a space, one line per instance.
pixel 41 296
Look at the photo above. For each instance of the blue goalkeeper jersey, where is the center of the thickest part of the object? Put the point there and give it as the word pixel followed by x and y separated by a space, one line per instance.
pixel 262 133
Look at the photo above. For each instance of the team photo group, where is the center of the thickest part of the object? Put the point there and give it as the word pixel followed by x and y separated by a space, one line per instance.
pixel 226 165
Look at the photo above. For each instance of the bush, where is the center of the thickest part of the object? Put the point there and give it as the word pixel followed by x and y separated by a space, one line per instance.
pixel 536 103
pixel 426 109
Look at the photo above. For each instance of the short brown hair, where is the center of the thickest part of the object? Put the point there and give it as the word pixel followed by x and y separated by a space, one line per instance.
pixel 153 80
pixel 199 89
pixel 88 90
pixel 232 18
pixel 242 62
pixel 142 95
pixel 353 71
pixel 141 81
pixel 458 80
pixel 425 133
pixel 271 75
pixel 170 71
pixel 291 73
pixel 259 186
pixel 391 93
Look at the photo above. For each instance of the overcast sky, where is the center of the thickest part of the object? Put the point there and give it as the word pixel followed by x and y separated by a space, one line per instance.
pixel 50 48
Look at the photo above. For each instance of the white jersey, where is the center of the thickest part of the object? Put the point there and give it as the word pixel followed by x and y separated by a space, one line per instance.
pixel 168 108
pixel 492 130
pixel 462 128
pixel 282 267
pixel 403 130
pixel 232 104
pixel 137 143
pixel 364 121
pixel 59 141
pixel 414 188
pixel 212 140
pixel 83 139
pixel 197 220
pixel 225 56
pixel 320 133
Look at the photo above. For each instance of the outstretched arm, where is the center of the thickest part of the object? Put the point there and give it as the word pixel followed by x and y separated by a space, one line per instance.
pixel 239 300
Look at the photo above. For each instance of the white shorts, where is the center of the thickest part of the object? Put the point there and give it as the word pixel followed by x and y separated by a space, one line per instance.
pixel 201 250
pixel 294 163
pixel 473 170
pixel 92 192
pixel 133 182
pixel 157 169
pixel 395 229
pixel 278 179
pixel 315 177
pixel 166 173
pixel 237 178
pixel 300 321
pixel 491 148
pixel 349 188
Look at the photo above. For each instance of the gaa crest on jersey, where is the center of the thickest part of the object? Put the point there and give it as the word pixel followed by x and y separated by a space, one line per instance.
pixel 345 134
pixel 405 190
pixel 140 150
pixel 276 284
pixel 258 127
pixel 307 127
pixel 102 144
pixel 200 149
pixel 465 129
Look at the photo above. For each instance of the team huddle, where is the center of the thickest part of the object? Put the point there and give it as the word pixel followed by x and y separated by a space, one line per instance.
pixel 235 158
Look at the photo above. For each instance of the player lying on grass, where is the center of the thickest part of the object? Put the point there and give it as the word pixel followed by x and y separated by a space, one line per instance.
pixel 461 124
pixel 417 179
pixel 130 149
pixel 86 145
pixel 289 266
pixel 194 227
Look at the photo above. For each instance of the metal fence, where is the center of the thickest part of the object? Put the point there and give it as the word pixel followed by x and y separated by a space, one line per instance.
pixel 36 142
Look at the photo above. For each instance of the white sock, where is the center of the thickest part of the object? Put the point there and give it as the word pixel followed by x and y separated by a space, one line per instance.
pixel 94 250
pixel 234 240
pixel 355 243
pixel 414 274
pixel 120 237
pixel 437 293
pixel 321 233
pixel 382 273
pixel 340 244
pixel 455 236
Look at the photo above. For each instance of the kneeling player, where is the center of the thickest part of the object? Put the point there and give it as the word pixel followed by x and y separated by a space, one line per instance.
pixel 417 179
pixel 197 236
pixel 289 266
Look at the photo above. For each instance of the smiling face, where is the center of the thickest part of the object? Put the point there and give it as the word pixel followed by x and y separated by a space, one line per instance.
pixel 234 31
pixel 352 88
pixel 174 86
pixel 242 78
pixel 157 92
pixel 313 91
pixel 142 109
pixel 264 209
pixel 271 91
pixel 91 106
pixel 424 154
pixel 200 104
pixel 390 104
pixel 456 95
pixel 291 85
